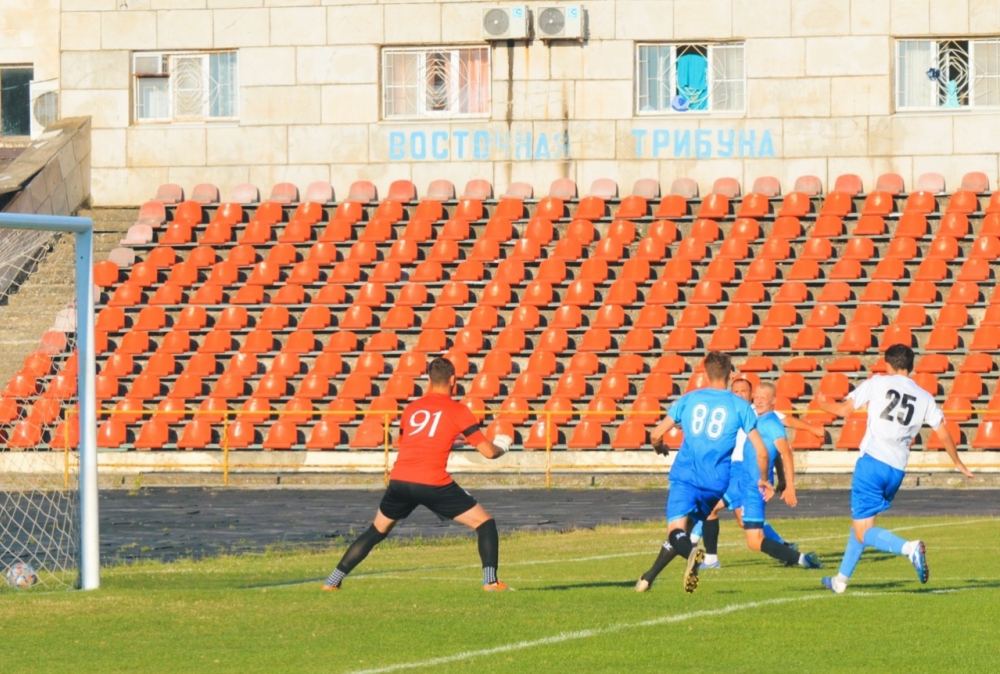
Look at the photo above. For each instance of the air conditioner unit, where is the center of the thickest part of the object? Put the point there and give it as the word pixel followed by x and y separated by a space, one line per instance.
pixel 506 23
pixel 560 22
pixel 44 95
pixel 151 64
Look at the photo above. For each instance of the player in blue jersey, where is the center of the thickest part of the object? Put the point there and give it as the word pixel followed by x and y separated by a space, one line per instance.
pixel 772 432
pixel 710 419
pixel 897 407
pixel 708 531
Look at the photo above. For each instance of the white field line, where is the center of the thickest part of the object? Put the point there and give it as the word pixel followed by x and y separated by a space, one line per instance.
pixel 805 580
pixel 611 629
pixel 591 558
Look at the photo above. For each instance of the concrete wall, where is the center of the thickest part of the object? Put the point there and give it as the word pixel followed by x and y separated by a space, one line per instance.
pixel 819 94
pixel 62 157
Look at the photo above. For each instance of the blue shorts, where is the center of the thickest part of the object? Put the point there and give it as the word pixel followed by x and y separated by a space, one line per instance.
pixel 753 508
pixel 874 486
pixel 686 500
pixel 733 498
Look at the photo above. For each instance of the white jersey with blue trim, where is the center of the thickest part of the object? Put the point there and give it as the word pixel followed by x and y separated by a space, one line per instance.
pixel 897 407
pixel 741 439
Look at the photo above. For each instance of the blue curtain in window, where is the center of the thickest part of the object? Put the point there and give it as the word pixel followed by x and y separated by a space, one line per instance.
pixel 692 80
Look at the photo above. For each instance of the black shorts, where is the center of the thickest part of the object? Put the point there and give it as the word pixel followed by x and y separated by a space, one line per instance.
pixel 402 498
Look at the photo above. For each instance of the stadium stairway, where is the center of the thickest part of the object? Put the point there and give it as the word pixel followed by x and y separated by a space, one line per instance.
pixel 597 303
pixel 50 287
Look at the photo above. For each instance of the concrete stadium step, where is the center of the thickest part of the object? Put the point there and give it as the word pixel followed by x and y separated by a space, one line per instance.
pixel 32 309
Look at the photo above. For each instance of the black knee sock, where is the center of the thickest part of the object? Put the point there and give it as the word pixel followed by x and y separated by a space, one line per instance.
pixel 681 543
pixel 667 553
pixel 710 536
pixel 489 550
pixel 360 548
pixel 779 551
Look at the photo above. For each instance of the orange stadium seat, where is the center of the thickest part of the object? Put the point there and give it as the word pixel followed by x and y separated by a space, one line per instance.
pixel 734 249
pixel 795 204
pixel 761 270
pixel 812 339
pixel 749 292
pixel 663 292
pixel 682 340
pixel 723 271
pixel 706 292
pixel 693 316
pixel 677 270
pixel 664 230
pixel 778 316
pixel 754 205
pixel 609 316
pixel 851 433
pixel 691 249
pixel 737 316
pixel 768 339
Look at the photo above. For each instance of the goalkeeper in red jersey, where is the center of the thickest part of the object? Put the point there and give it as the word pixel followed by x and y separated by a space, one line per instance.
pixel 430 426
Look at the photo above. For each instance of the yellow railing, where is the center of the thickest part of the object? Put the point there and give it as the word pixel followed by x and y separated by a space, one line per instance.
pixel 387 416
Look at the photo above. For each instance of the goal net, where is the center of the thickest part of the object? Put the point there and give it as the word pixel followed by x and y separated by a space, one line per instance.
pixel 46 375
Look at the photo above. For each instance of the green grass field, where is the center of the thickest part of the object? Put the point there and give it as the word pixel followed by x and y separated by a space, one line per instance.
pixel 418 606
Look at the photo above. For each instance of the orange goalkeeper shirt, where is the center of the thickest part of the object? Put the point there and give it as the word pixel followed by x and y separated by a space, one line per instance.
pixel 430 426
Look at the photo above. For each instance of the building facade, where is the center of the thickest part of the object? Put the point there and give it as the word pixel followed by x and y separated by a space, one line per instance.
pixel 266 91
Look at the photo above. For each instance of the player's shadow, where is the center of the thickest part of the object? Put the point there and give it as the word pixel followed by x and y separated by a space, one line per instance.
pixel 290 583
pixel 903 587
pixel 930 589
pixel 579 586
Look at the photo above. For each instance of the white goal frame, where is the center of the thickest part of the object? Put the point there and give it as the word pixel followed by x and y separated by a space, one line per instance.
pixel 83 229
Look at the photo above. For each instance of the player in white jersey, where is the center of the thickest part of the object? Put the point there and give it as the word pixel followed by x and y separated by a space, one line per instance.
pixel 897 407
pixel 708 531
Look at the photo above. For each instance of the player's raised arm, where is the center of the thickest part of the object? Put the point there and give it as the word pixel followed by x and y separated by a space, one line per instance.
pixel 844 408
pixel 797 424
pixel 494 450
pixel 855 400
pixel 788 465
pixel 763 461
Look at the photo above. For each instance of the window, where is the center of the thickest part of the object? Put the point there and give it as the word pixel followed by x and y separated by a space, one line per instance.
pixel 947 74
pixel 185 87
pixel 15 100
pixel 679 78
pixel 439 82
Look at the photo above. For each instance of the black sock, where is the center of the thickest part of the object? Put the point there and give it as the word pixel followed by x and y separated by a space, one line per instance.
pixel 710 536
pixel 667 553
pixel 489 550
pixel 680 542
pixel 779 551
pixel 360 548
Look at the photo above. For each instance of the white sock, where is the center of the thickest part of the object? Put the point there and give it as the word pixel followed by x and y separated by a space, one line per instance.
pixel 694 539
pixel 802 559
pixel 711 559
pixel 841 579
pixel 909 547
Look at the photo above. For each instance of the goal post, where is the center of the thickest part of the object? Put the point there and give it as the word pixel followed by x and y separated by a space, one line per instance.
pixel 88 545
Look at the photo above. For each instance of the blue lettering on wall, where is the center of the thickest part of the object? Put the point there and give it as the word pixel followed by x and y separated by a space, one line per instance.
pixel 465 144
pixel 439 145
pixel 481 145
pixel 702 143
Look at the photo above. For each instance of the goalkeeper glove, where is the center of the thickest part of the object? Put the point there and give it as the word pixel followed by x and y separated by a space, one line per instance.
pixel 503 443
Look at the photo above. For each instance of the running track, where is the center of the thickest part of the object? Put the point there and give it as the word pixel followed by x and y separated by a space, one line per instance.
pixel 167 523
